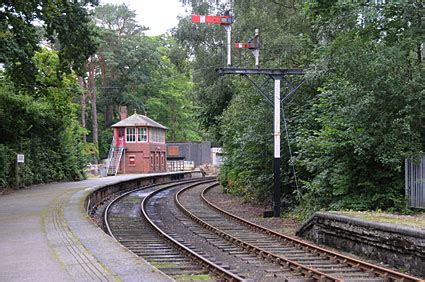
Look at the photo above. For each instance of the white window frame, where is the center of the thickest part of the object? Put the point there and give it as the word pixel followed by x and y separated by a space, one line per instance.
pixel 128 134
pixel 145 134
pixel 157 136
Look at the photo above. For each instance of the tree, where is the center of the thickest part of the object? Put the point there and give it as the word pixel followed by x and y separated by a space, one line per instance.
pixel 38 87
pixel 42 125
pixel 147 74
pixel 65 23
pixel 366 118
pixel 171 103
pixel 350 128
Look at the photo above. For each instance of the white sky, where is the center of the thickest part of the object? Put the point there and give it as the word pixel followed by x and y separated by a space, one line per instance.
pixel 158 15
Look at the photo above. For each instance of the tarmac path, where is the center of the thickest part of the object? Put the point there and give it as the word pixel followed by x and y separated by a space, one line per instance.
pixel 46 236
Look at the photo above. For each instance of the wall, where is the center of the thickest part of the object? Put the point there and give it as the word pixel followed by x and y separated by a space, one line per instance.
pixel 399 246
pixel 198 152
pixel 97 196
pixel 142 155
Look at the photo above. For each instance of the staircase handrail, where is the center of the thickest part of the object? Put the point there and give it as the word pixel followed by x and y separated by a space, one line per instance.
pixel 117 162
pixel 110 154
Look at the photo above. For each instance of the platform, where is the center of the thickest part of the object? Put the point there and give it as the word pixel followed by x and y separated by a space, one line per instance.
pixel 399 245
pixel 45 235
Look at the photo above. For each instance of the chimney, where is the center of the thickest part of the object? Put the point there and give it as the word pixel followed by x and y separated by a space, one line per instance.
pixel 123 112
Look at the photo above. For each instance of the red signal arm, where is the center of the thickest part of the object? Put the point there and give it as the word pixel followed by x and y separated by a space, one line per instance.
pixel 245 45
pixel 222 20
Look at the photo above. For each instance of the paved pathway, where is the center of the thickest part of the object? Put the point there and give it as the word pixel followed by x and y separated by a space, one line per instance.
pixel 45 236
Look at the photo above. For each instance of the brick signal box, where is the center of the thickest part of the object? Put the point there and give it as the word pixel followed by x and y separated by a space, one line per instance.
pixel 138 145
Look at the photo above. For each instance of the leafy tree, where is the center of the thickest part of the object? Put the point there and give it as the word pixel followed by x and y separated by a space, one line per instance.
pixel 360 115
pixel 65 23
pixel 147 74
pixel 171 102
pixel 367 116
pixel 42 125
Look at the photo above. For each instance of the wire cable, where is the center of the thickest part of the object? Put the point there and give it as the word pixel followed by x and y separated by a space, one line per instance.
pixel 290 153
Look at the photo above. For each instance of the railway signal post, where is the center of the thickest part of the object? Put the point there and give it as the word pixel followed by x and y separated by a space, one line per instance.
pixel 254 45
pixel 275 74
pixel 225 21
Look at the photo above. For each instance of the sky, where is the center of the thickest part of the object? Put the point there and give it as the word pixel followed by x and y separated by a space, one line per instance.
pixel 158 15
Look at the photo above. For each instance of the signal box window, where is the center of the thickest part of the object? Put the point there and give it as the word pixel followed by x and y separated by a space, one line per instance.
pixel 157 135
pixel 131 134
pixel 142 134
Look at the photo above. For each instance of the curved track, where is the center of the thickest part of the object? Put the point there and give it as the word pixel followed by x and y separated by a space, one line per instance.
pixel 310 260
pixel 125 221
pixel 174 227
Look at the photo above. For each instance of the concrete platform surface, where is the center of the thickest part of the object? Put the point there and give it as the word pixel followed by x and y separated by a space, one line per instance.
pixel 46 236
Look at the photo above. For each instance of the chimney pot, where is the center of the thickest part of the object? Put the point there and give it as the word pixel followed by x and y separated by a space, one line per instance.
pixel 123 112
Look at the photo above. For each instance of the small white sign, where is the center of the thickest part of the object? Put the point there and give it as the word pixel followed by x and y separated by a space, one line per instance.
pixel 20 158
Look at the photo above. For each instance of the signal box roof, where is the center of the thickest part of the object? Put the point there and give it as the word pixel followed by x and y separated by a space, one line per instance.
pixel 138 120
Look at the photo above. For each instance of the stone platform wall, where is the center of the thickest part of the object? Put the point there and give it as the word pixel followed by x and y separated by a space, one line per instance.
pixel 396 245
pixel 102 193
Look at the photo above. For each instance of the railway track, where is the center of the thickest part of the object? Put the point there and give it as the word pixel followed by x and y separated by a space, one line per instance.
pixel 125 221
pixel 187 238
pixel 310 260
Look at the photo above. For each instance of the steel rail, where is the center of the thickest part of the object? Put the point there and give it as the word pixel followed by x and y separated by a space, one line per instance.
pixel 217 270
pixel 292 265
pixel 172 184
pixel 388 274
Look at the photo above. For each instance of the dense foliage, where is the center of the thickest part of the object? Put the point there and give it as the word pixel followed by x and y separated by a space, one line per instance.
pixel 37 88
pixel 359 115
pixel 25 23
pixel 42 125
pixel 65 72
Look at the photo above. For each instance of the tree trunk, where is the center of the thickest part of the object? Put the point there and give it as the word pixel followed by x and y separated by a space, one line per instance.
pixel 92 89
pixel 109 115
pixel 83 104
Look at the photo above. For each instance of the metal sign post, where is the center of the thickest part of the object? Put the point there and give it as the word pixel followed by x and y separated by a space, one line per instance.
pixel 20 159
pixel 253 44
pixel 229 44
pixel 276 74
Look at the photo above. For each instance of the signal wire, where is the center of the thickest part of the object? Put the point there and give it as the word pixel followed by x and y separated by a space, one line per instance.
pixel 290 153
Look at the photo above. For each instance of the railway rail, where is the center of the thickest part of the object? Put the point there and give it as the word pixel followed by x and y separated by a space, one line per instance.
pixel 386 273
pixel 125 221
pixel 313 261
pixel 175 228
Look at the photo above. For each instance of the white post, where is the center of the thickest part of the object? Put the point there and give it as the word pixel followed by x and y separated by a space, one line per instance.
pixel 229 44
pixel 276 159
pixel 257 51
pixel 277 118
pixel 257 58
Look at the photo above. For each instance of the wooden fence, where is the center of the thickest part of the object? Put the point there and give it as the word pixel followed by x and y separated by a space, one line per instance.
pixel 180 165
